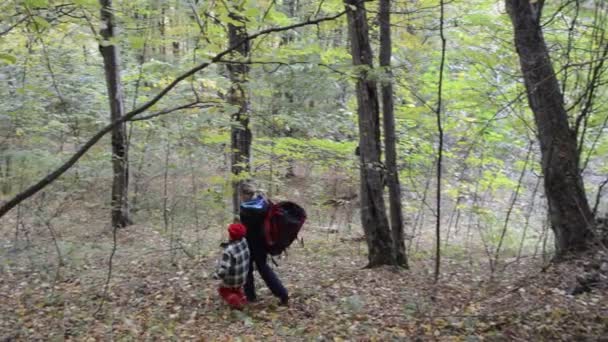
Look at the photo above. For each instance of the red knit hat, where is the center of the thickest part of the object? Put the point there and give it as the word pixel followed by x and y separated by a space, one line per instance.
pixel 237 231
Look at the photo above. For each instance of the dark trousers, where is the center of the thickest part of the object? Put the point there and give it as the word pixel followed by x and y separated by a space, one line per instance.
pixel 267 274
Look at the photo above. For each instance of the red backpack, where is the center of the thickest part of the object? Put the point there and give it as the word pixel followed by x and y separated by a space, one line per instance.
pixel 282 225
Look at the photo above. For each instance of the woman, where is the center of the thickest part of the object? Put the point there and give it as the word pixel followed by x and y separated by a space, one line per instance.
pixel 253 211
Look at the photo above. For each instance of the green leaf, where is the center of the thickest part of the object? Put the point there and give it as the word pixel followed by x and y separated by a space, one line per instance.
pixel 137 42
pixel 252 12
pixel 10 59
pixel 279 18
pixel 86 2
pixel 36 3
pixel 41 22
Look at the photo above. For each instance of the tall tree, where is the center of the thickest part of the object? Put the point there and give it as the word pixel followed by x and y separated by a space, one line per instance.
pixel 390 146
pixel 111 61
pixel 373 212
pixel 569 211
pixel 240 134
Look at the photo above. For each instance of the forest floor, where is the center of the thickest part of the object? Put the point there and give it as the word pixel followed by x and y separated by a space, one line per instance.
pixel 333 298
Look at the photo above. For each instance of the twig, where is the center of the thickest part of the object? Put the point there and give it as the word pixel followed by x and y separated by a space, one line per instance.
pixel 494 262
pixel 10 28
pixel 527 219
pixel 288 64
pixel 272 4
pixel 319 8
pixel 109 276
pixel 197 17
pixel 195 104
pixel 598 196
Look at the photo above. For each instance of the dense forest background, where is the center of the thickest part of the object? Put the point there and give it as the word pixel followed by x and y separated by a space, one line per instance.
pixel 110 230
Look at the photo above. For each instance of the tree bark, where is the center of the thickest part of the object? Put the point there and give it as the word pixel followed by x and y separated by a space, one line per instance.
pixel 392 176
pixel 289 7
pixel 240 134
pixel 7 175
pixel 111 60
pixel 569 210
pixel 373 212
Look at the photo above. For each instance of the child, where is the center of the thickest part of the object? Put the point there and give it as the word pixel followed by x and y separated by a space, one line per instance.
pixel 233 266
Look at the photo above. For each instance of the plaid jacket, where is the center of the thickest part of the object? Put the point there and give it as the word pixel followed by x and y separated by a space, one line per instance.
pixel 234 264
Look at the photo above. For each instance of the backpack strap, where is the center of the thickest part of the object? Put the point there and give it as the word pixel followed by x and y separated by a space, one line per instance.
pixel 274 261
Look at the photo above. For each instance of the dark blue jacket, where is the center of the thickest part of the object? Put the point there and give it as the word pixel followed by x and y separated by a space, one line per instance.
pixel 253 214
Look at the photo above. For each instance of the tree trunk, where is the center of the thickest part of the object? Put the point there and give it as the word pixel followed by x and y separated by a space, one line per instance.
pixel 569 210
pixel 111 61
pixel 373 213
pixel 392 176
pixel 6 176
pixel 162 28
pixel 240 135
pixel 289 7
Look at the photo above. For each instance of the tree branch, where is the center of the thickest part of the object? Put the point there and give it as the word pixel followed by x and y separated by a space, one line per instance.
pixel 598 196
pixel 288 64
pixel 10 28
pixel 594 144
pixel 590 94
pixel 195 104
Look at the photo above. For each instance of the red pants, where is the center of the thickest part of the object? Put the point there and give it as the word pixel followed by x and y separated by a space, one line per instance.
pixel 233 296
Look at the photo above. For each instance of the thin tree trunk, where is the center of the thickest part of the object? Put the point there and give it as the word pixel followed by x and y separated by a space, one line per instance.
pixel 373 212
pixel 289 8
pixel 240 135
pixel 120 182
pixel 194 183
pixel 392 176
pixel 527 219
pixel 162 29
pixel 494 262
pixel 474 204
pixel 7 182
pixel 569 211
pixel 419 221
pixel 440 146
pixel 598 196
pixel 165 207
pixel 138 174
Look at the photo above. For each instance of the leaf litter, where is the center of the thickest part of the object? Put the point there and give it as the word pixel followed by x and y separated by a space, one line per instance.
pixel 333 298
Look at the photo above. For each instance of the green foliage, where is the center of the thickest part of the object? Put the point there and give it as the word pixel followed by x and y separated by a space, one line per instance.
pixel 8 58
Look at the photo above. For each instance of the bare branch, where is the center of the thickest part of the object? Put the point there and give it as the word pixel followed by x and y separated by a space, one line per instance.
pixel 10 28
pixel 594 144
pixel 598 196
pixel 557 12
pixel 319 8
pixel 197 17
pixel 195 104
pixel 272 4
pixel 288 64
